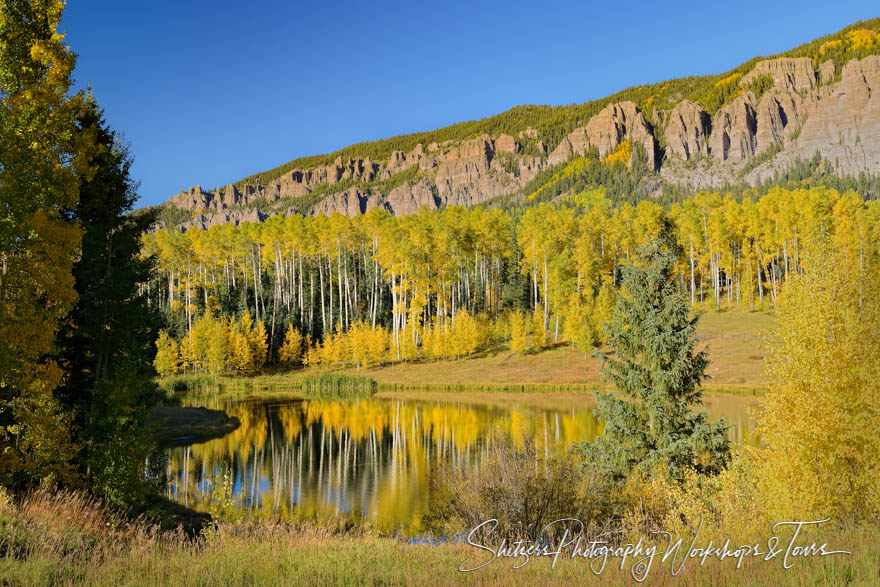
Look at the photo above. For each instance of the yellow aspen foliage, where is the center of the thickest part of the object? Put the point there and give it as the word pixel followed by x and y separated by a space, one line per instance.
pixel 408 346
pixel 519 332
pixel 246 323
pixel 603 309
pixel 578 326
pixel 541 336
pixel 41 432
pixel 167 361
pixel 218 352
pixel 467 334
pixel 313 356
pixel 243 358
pixel 862 39
pixel 357 343
pixel 188 354
pixel 259 344
pixel 377 346
pixel 441 347
pixel 291 351
pixel 621 154
pixel 36 293
pixel 820 423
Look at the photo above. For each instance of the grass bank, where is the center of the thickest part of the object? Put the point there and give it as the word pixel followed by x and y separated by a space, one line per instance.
pixel 176 424
pixel 734 340
pixel 66 539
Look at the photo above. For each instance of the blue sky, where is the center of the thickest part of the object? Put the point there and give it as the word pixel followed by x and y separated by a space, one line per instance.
pixel 208 92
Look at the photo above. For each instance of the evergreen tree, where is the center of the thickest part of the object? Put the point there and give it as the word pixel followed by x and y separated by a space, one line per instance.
pixel 658 374
pixel 107 346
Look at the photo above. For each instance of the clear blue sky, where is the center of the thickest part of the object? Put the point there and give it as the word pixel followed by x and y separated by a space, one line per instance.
pixel 208 92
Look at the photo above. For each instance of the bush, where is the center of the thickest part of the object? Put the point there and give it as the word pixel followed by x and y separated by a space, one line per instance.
pixel 523 489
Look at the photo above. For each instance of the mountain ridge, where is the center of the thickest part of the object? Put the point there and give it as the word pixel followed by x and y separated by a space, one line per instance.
pixel 743 125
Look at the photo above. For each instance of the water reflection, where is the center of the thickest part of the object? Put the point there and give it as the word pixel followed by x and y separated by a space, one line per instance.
pixel 372 459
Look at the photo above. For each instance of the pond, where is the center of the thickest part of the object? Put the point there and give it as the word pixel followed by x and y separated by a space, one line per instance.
pixel 371 460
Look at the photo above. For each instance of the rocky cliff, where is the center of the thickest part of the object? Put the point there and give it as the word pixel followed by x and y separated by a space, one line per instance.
pixel 796 110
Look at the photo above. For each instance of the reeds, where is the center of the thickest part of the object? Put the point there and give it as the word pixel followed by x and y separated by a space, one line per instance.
pixel 338 386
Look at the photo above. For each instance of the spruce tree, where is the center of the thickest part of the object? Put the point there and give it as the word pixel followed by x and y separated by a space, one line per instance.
pixel 651 421
pixel 108 344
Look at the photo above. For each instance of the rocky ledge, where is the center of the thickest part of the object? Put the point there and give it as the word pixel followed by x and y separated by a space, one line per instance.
pixel 804 112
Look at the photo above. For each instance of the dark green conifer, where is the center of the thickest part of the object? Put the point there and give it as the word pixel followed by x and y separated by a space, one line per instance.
pixel 651 421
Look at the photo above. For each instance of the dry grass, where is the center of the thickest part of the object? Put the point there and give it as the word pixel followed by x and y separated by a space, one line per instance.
pixel 734 351
pixel 71 539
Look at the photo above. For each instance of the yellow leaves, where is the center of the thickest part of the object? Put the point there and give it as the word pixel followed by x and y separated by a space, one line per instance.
pixel 467 334
pixel 519 332
pixel 167 361
pixel 854 41
pixel 731 79
pixel 830 45
pixel 291 351
pixel 576 165
pixel 862 38
pixel 622 154
pixel 41 431
pixel 214 346
pixel 821 423
pixel 361 345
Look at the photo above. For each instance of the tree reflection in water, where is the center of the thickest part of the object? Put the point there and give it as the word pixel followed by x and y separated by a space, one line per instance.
pixel 366 459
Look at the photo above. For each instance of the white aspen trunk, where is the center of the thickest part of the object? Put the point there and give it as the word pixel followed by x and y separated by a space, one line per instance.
pixel 321 287
pixel 693 285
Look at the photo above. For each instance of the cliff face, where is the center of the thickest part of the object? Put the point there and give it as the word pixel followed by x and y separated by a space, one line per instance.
pixel 803 111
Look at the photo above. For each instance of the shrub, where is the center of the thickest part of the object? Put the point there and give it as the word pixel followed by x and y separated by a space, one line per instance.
pixel 523 489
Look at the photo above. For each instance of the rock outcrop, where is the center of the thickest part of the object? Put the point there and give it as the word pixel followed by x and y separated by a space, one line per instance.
pixel 804 111
pixel 844 126
pixel 734 129
pixel 778 114
pixel 577 142
pixel 826 72
pixel 687 132
pixel 789 74
pixel 506 144
pixel 619 121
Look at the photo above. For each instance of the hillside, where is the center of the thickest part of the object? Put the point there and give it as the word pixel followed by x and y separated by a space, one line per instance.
pixel 811 111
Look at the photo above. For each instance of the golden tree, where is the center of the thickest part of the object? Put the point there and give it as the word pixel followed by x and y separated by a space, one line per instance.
pixel 291 351
pixel 519 332
pixel 167 361
pixel 467 334
pixel 820 423
pixel 40 156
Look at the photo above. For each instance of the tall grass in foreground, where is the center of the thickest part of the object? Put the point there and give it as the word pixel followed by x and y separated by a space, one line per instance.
pixel 337 386
pixel 69 538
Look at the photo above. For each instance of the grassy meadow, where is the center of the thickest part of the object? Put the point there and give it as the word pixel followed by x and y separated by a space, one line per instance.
pixel 734 341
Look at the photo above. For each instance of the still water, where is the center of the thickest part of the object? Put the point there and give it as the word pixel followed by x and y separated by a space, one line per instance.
pixel 373 459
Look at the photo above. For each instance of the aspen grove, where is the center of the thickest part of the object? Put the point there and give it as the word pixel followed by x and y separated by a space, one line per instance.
pixel 377 288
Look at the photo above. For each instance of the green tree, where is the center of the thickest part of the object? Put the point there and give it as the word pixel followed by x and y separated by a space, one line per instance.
pixel 107 343
pixel 658 373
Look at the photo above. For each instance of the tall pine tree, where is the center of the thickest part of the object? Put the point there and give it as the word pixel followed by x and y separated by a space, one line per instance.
pixel 657 372
pixel 108 346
